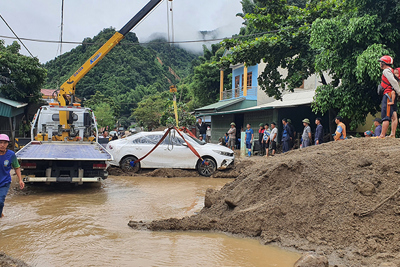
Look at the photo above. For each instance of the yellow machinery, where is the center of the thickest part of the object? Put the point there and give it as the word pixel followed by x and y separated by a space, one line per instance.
pixel 68 87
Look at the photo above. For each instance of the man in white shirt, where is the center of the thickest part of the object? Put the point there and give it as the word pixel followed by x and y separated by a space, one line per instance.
pixel 273 138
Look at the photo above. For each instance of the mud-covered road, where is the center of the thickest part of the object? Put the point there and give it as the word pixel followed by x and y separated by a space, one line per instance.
pixel 87 226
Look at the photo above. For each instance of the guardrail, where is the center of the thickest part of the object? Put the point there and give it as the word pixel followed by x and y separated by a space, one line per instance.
pixel 238 92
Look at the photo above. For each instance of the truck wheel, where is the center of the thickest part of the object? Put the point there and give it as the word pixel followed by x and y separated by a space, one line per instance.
pixel 126 164
pixel 208 168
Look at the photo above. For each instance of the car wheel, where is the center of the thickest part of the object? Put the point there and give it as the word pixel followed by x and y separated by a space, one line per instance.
pixel 207 168
pixel 126 164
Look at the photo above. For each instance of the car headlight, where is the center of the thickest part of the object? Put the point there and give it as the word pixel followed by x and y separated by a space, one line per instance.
pixel 223 153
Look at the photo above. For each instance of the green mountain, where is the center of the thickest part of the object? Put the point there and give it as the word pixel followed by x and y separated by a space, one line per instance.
pixel 127 73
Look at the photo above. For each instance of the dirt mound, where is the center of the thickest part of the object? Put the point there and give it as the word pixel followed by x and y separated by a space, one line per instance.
pixel 170 173
pixel 309 199
pixel 7 261
pixel 238 168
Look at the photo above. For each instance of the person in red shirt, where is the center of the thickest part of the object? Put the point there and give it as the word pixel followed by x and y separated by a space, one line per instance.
pixel 388 109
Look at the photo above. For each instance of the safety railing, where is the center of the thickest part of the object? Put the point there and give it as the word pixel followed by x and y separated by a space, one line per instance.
pixel 239 92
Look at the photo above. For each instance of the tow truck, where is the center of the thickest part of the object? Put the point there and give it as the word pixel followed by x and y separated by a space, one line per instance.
pixel 64 137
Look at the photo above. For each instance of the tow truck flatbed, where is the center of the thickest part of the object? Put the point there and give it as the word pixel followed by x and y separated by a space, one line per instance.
pixel 63 151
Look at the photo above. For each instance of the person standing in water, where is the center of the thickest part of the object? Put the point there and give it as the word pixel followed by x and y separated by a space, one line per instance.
pixel 8 160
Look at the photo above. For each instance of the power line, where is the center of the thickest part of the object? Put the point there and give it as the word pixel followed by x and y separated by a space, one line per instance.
pixel 16 35
pixel 126 43
pixel 62 25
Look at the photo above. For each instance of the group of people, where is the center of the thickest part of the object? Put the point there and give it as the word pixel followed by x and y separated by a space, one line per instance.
pixel 268 136
pixel 204 131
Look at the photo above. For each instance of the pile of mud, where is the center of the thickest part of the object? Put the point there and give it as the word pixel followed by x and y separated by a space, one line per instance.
pixel 311 199
pixel 7 261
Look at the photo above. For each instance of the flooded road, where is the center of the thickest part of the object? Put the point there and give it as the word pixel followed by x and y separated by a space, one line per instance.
pixel 87 226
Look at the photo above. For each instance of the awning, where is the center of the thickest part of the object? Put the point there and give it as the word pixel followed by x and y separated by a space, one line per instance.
pixel 10 108
pixel 297 98
pixel 219 105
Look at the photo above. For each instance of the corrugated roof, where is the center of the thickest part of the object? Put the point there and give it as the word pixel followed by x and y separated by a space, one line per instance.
pixel 12 103
pixel 297 98
pixel 47 92
pixel 221 104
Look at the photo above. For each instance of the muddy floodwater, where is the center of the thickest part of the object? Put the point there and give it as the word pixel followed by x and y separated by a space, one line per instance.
pixel 87 226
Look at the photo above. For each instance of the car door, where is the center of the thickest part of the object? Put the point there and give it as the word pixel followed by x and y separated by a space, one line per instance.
pixel 156 158
pixel 179 154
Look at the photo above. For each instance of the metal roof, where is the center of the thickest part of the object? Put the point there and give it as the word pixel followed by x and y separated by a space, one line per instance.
pixel 297 98
pixel 10 108
pixel 221 104
pixel 12 103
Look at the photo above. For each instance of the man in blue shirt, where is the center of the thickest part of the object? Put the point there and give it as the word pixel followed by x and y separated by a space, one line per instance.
pixel 378 126
pixel 249 139
pixel 8 160
pixel 378 129
pixel 287 133
pixel 319 132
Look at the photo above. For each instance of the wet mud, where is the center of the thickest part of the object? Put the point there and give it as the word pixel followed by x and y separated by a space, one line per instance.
pixel 340 199
pixel 7 261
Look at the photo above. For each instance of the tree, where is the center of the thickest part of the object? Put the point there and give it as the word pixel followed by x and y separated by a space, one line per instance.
pixel 98 99
pixel 205 82
pixel 343 38
pixel 21 77
pixel 104 115
pixel 184 116
pixel 283 42
pixel 149 111
pixel 348 46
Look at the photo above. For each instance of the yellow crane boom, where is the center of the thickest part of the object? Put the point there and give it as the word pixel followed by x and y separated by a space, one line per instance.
pixel 68 87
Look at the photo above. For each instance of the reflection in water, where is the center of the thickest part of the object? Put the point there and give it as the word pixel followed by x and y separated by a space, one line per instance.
pixel 85 226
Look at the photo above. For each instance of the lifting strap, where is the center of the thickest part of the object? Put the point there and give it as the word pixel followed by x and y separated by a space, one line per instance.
pixel 133 163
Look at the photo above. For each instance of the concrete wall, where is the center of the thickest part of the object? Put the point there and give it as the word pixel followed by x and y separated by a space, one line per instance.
pixel 220 124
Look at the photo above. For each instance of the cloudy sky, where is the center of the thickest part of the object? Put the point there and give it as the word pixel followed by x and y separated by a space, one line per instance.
pixel 41 19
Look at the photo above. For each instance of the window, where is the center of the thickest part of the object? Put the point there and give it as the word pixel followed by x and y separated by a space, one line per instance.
pixel 249 78
pixel 237 85
pixel 237 81
pixel 147 140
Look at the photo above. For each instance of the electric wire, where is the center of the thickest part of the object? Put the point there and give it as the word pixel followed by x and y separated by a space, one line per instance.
pixel 168 21
pixel 172 23
pixel 16 35
pixel 62 25
pixel 150 43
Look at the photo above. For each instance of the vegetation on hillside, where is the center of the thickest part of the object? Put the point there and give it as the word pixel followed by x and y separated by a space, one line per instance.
pixel 127 73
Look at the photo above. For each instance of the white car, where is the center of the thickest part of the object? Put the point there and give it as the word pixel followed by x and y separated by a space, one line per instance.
pixel 173 152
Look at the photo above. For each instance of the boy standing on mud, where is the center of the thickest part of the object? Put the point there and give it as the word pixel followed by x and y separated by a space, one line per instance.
pixel 266 137
pixel 249 139
pixel 8 160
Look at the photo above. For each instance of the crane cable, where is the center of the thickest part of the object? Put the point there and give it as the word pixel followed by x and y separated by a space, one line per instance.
pixel 172 88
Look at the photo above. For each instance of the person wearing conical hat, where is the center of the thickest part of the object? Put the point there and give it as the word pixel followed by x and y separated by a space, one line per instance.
pixel 306 137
